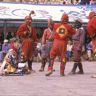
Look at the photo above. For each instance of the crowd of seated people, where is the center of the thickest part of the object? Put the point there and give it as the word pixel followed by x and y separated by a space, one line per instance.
pixel 38 1
pixel 53 1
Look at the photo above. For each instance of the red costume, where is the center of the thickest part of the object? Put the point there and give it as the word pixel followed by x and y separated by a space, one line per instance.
pixel 27 34
pixel 62 31
pixel 91 28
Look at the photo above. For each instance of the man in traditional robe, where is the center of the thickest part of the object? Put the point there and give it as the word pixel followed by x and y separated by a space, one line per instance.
pixel 47 41
pixel 78 42
pixel 91 28
pixel 27 34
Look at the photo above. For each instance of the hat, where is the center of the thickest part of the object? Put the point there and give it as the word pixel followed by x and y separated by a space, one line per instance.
pixel 91 15
pixel 5 41
pixel 78 20
pixel 65 17
pixel 10 50
pixel 78 23
pixel 50 22
pixel 28 17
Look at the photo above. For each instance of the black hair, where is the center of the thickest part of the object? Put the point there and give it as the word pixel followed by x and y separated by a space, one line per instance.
pixel 77 24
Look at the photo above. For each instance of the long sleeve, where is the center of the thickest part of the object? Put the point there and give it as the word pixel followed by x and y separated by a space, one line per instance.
pixel 82 36
pixel 44 37
pixel 34 36
pixel 20 31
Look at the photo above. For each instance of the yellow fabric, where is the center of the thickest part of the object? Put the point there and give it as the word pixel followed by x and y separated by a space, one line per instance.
pixel 64 60
pixel 10 69
pixel 62 31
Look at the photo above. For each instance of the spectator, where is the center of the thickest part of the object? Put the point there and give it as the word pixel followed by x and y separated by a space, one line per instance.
pixel 5 48
pixel 92 2
pixel 39 52
pixel 10 35
pixel 89 51
pixel 69 50
pixel 1 37
pixel 83 2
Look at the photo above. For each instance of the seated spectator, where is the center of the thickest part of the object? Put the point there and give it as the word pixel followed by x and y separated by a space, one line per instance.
pixel 92 2
pixel 77 2
pixel 0 46
pixel 84 2
pixel 11 62
pixel 9 36
pixel 5 48
pixel 1 37
pixel 64 2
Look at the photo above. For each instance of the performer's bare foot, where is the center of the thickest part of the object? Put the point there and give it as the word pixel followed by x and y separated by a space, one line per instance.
pixel 49 73
pixel 93 76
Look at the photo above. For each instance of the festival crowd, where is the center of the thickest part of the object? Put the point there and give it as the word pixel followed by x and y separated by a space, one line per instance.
pixel 60 39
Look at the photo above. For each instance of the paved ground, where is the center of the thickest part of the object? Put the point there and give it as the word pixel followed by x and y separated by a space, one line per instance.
pixel 37 84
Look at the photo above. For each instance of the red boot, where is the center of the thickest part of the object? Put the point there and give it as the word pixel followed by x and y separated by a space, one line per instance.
pixel 62 68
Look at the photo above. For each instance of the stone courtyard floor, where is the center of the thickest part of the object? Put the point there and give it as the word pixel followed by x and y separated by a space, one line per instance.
pixel 37 84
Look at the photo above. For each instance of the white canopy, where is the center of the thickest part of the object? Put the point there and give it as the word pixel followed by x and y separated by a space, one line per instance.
pixel 42 12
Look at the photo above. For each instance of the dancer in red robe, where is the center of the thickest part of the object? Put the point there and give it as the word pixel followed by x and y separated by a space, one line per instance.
pixel 62 31
pixel 91 28
pixel 27 35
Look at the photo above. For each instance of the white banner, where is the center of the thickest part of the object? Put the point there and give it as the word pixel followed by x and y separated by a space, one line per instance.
pixel 43 12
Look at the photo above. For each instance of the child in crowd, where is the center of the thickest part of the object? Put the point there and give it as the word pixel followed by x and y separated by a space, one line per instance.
pixel 69 50
pixel 39 52
pixel 89 51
